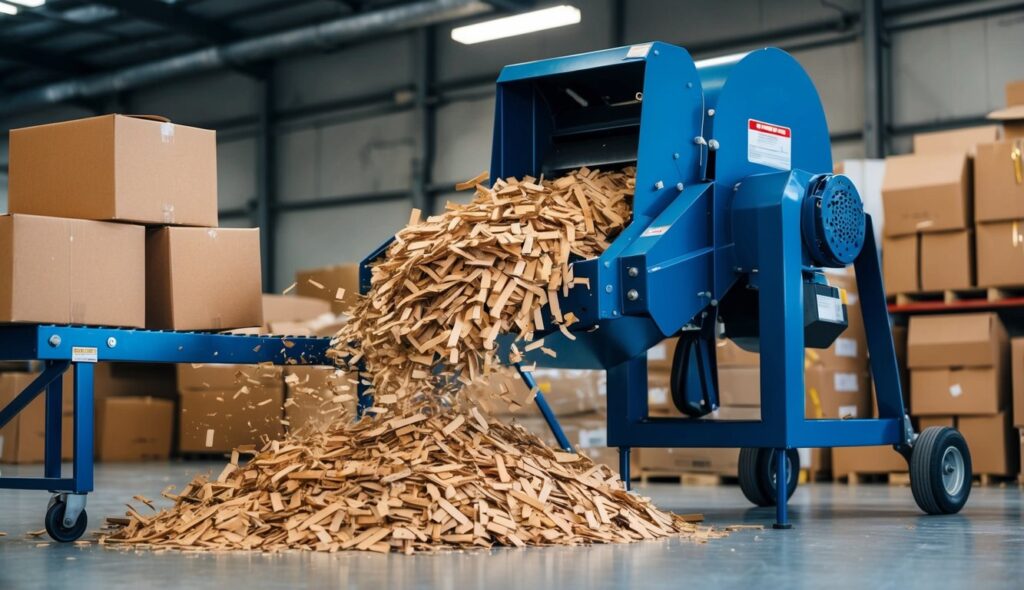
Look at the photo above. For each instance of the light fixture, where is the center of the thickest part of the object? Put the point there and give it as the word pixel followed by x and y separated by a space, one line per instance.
pixel 8 8
pixel 28 3
pixel 517 24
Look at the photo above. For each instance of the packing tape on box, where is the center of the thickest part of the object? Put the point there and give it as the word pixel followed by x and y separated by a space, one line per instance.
pixel 846 382
pixel 167 132
pixel 167 212
pixel 816 403
pixel 955 390
pixel 1015 157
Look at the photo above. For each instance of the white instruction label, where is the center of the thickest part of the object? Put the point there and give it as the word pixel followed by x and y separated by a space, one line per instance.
pixel 846 347
pixel 955 390
pixel 769 144
pixel 84 354
pixel 636 51
pixel 830 309
pixel 846 382
pixel 657 396
pixel 658 352
pixel 654 231
pixel 847 412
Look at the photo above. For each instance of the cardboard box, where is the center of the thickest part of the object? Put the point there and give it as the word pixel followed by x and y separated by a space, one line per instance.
pixel 1021 454
pixel 901 260
pixel 135 379
pixel 729 354
pixel 993 443
pixel 1017 373
pixel 588 433
pixel 947 260
pixel 926 193
pixel 956 340
pixel 1012 117
pixel 134 428
pixel 955 141
pixel 292 308
pixel 659 356
pixel 23 439
pixel 203 279
pixel 924 422
pixel 997 194
pixel 957 391
pixel 226 420
pixel 228 377
pixel 324 282
pixel 717 461
pixel 882 459
pixel 739 387
pixel 116 168
pixel 317 397
pixel 65 271
pixel 1000 247
pixel 835 394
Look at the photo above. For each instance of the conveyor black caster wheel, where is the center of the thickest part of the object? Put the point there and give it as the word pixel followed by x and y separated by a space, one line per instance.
pixel 757 474
pixel 940 470
pixel 57 528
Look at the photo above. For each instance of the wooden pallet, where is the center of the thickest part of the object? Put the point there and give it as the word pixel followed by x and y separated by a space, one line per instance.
pixel 897 478
pixel 685 478
pixel 949 296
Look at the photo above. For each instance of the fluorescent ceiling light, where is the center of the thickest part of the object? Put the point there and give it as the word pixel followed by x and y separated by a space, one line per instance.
pixel 517 24
pixel 28 3
pixel 8 9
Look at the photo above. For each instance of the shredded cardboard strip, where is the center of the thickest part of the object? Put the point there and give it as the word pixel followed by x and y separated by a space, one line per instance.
pixel 424 469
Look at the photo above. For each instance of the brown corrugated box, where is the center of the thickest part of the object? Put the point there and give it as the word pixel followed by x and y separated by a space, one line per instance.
pixel 925 193
pixel 992 442
pixel 739 387
pixel 308 283
pixel 292 308
pixel 205 377
pixel 730 354
pixel 203 279
pixel 134 428
pixel 955 141
pixel 947 260
pixel 228 420
pixel 23 439
pixel 956 340
pixel 659 356
pixel 718 461
pixel 957 391
pixel 115 167
pixel 835 394
pixel 567 391
pixel 1012 117
pixel 317 396
pixel 71 271
pixel 998 194
pixel 1000 253
pixel 882 459
pixel 924 422
pixel 1017 371
pixel 901 264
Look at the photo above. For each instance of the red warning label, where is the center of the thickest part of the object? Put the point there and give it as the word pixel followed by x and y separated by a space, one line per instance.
pixel 769 144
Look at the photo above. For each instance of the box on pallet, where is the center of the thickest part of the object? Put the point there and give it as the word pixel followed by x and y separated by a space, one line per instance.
pixel 324 282
pixel 901 264
pixel 882 459
pixel 959 364
pixel 115 167
pixel 134 428
pixel 65 271
pixel 992 441
pixel 947 260
pixel 1000 247
pixel 926 192
pixel 836 394
pixel 203 279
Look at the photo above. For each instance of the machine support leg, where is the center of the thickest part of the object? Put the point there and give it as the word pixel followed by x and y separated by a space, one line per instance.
pixel 54 409
pixel 781 477
pixel 83 467
pixel 624 453
pixel 545 410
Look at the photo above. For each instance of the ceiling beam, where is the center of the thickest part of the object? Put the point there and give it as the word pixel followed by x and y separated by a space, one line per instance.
pixel 37 57
pixel 173 18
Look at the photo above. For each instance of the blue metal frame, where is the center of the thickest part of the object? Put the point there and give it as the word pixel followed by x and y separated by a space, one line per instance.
pixel 62 347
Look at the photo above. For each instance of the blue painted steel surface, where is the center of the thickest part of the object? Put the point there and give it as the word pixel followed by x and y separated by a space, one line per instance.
pixel 63 347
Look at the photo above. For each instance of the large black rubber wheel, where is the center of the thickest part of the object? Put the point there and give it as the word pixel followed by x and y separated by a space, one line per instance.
pixel 55 523
pixel 940 470
pixel 757 475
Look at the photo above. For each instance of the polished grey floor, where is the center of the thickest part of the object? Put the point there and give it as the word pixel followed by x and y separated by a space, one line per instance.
pixel 868 536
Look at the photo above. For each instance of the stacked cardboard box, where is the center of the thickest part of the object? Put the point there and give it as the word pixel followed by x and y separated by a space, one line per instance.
pixel 337 284
pixel 999 197
pixel 928 244
pixel 23 439
pixel 959 374
pixel 70 180
pixel 226 406
pixel 134 410
pixel 1017 373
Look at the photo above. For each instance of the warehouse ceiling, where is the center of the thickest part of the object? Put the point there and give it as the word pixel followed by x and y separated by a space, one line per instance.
pixel 66 38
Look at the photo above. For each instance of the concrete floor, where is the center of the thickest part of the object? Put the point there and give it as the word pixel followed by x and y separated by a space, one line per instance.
pixel 865 536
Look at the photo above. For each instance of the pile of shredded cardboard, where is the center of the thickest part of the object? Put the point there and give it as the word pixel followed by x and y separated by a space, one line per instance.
pixel 417 483
pixel 425 469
